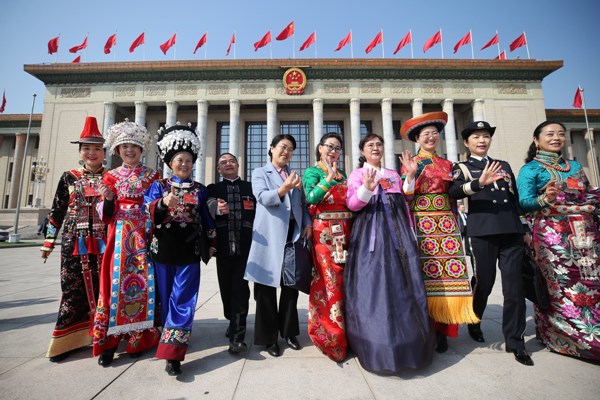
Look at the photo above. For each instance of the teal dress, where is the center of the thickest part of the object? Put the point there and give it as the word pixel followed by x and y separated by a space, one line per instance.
pixel 566 242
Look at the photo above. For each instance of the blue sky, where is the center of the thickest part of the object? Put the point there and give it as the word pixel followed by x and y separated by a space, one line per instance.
pixel 555 29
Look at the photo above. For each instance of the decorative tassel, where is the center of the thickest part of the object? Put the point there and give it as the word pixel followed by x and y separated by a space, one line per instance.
pixel 452 309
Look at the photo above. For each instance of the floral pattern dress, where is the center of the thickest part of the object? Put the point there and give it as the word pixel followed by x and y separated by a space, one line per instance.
pixel 84 238
pixel 126 304
pixel 566 242
pixel 332 222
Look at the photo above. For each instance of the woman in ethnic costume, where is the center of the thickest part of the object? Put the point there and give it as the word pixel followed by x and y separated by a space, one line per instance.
pixel 564 217
pixel 387 322
pixel 126 303
pixel 450 297
pixel 84 238
pixel 179 214
pixel 325 188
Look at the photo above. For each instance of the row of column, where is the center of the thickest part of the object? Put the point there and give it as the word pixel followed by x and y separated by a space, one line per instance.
pixel 272 128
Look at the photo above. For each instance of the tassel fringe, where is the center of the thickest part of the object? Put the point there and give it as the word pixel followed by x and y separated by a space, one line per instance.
pixel 452 309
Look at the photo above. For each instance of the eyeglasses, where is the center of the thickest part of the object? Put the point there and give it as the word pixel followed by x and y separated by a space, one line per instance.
pixel 228 161
pixel 428 134
pixel 371 146
pixel 285 148
pixel 335 149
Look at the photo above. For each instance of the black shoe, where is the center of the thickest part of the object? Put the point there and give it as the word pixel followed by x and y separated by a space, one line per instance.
pixel 60 357
pixel 293 343
pixel 106 358
pixel 237 347
pixel 442 343
pixel 173 367
pixel 521 356
pixel 475 332
pixel 137 354
pixel 273 349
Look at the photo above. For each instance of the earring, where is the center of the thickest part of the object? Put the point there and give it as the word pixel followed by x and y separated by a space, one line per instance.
pixel 81 163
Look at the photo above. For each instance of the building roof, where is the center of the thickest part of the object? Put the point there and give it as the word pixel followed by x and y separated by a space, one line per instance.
pixel 572 115
pixel 315 68
pixel 19 120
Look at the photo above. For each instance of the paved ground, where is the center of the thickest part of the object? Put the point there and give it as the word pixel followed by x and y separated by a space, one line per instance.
pixel 29 298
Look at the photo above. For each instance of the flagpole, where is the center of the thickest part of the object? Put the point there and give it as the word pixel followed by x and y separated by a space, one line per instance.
pixel 271 45
pixel 234 45
pixel 56 57
pixel 14 238
pixel 412 55
pixel 382 50
pixel 498 44
pixel 294 44
pixel 144 51
pixel 175 45
pixel 205 45
pixel 472 52
pixel 526 45
pixel 442 43
pixel 351 45
pixel 115 52
pixel 315 44
pixel 589 138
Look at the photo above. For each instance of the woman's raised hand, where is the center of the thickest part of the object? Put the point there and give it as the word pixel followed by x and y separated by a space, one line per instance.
pixel 490 173
pixel 371 180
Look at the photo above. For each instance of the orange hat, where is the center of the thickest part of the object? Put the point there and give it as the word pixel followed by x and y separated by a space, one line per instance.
pixel 91 133
pixel 412 127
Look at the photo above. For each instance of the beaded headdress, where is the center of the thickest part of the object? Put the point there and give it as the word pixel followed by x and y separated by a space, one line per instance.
pixel 175 139
pixel 127 132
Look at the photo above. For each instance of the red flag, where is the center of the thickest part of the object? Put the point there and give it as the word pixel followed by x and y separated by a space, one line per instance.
pixel 432 41
pixel 465 40
pixel 82 46
pixel 263 42
pixel 577 101
pixel 53 45
pixel 168 44
pixel 77 59
pixel 347 39
pixel 493 41
pixel 3 105
pixel 201 43
pixel 311 39
pixel 502 56
pixel 287 32
pixel 518 42
pixel 376 40
pixel 112 41
pixel 232 41
pixel 405 40
pixel 137 42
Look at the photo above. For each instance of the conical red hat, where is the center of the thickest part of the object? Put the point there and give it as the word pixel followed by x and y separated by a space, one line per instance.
pixel 90 133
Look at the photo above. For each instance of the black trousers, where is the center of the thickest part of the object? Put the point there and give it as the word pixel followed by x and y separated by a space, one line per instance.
pixel 508 251
pixel 269 320
pixel 235 294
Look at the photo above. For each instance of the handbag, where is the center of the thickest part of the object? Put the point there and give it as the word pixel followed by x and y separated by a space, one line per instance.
pixel 297 265
pixel 534 283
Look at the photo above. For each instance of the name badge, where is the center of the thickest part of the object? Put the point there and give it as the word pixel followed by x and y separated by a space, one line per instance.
pixel 386 183
pixel 189 198
pixel 574 184
pixel 248 204
pixel 90 191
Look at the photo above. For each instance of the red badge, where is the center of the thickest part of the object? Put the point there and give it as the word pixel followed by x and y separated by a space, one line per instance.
pixel 189 198
pixel 294 81
pixel 385 183
pixel 248 204
pixel 90 191
pixel 573 183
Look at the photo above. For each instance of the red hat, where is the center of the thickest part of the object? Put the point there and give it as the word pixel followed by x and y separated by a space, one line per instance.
pixel 90 134
pixel 412 127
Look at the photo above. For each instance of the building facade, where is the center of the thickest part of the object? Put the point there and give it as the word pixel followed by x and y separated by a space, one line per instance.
pixel 240 105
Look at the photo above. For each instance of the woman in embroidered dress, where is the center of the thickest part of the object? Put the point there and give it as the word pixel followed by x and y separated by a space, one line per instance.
pixel 564 216
pixel 126 303
pixel 325 188
pixel 177 208
pixel 450 298
pixel 84 238
pixel 387 322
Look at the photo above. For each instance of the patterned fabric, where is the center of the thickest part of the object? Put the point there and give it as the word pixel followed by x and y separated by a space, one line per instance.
pixel 127 287
pixel 441 251
pixel 331 235
pixel 74 210
pixel 566 242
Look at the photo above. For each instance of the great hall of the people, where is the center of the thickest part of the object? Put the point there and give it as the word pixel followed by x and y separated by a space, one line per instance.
pixel 237 106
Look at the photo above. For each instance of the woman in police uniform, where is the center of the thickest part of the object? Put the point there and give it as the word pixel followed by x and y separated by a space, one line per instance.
pixel 496 233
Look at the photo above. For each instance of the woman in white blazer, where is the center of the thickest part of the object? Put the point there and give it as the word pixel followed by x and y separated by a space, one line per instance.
pixel 281 216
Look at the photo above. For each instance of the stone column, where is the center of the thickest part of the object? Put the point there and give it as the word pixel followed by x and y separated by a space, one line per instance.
pixel 272 128
pixel 388 133
pixel 451 149
pixel 569 143
pixel 140 112
pixel 478 114
pixel 355 130
pixel 110 112
pixel 17 169
pixel 317 120
pixel 417 109
pixel 592 172
pixel 202 124
pixel 171 120
pixel 234 126
pixel 140 119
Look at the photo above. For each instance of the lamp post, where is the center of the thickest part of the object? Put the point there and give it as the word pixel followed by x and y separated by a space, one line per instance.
pixel 39 169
